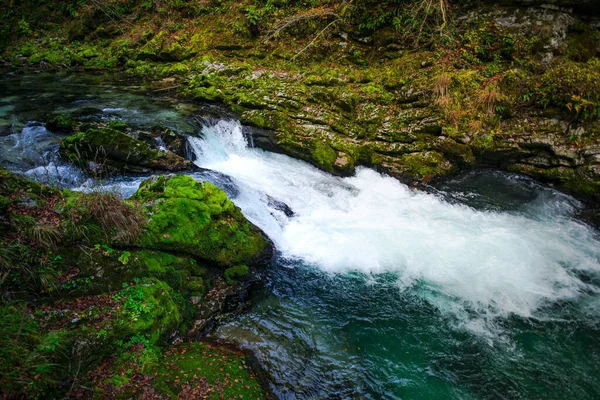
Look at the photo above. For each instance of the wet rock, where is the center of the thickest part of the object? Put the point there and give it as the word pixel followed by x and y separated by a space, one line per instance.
pixel 109 151
pixel 280 206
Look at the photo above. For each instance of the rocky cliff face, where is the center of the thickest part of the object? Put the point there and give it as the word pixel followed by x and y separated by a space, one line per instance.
pixel 517 95
pixel 511 85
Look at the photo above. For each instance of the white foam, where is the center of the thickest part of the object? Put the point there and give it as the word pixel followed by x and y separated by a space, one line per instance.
pixel 490 262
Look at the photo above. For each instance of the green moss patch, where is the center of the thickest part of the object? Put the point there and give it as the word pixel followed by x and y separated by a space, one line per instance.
pixel 234 273
pixel 188 370
pixel 61 123
pixel 196 218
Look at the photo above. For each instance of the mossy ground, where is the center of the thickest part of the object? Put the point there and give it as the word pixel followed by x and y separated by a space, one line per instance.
pixel 78 294
pixel 185 371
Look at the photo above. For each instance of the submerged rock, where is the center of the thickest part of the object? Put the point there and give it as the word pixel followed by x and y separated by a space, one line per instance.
pixel 106 151
pixel 197 218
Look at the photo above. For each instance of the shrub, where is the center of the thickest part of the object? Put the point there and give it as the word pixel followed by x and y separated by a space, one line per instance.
pixel 574 87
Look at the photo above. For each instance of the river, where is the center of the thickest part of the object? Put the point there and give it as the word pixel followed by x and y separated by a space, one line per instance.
pixel 486 286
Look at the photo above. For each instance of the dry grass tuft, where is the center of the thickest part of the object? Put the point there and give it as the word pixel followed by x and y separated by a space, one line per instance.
pixel 115 217
pixel 46 236
pixel 441 85
pixel 105 213
pixel 441 92
pixel 488 98
pixel 474 126
pixel 453 116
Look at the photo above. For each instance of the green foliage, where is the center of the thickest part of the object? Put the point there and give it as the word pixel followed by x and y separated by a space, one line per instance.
pixel 574 87
pixel 149 306
pixel 30 357
pixel 487 42
pixel 78 283
pixel 24 28
pixel 124 257
pixel 253 14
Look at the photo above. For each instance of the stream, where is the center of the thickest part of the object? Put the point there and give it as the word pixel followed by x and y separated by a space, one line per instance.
pixel 486 287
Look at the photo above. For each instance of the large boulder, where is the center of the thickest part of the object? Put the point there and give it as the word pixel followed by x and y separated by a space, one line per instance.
pixel 188 216
pixel 106 151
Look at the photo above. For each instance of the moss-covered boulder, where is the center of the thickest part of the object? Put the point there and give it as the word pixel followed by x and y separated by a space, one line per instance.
pixel 106 151
pixel 62 123
pixel 196 218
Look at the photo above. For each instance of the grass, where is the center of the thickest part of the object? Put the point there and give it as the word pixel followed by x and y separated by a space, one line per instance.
pixel 46 236
pixel 30 357
pixel 488 98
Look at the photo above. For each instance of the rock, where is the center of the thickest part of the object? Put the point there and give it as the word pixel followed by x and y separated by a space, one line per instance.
pixel 62 124
pixel 191 217
pixel 172 140
pixel 108 151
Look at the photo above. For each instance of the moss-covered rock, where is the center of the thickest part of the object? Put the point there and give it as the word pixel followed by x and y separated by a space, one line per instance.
pixel 106 150
pixel 110 306
pixel 196 218
pixel 149 307
pixel 234 273
pixel 579 181
pixel 62 123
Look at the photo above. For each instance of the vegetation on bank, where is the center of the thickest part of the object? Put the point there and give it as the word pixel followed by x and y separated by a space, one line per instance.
pixel 91 308
pixel 416 88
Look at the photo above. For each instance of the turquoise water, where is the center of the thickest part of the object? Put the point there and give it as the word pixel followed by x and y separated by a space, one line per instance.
pixel 351 336
pixel 486 287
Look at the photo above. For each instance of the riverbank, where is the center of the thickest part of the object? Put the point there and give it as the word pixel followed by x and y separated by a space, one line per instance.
pixel 101 298
pixel 502 87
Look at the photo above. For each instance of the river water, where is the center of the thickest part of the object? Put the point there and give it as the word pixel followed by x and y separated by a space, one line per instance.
pixel 486 287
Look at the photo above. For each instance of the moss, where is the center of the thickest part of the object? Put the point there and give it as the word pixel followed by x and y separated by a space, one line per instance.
pixel 235 273
pixel 426 164
pixel 582 43
pixel 576 181
pixel 180 272
pixel 61 123
pixel 118 125
pixel 196 218
pixel 33 359
pixel 324 154
pixel 166 47
pixel 13 185
pixel 4 202
pixel 194 370
pixel 226 372
pixel 149 307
